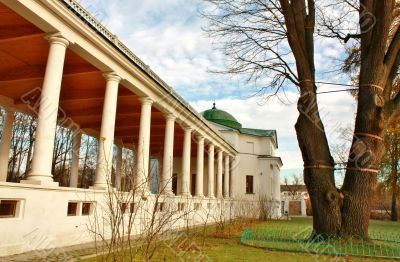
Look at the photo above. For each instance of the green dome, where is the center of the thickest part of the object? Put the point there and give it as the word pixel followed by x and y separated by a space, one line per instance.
pixel 221 117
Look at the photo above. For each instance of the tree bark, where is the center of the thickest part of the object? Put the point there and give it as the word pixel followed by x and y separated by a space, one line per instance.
pixel 367 147
pixel 318 162
pixel 318 169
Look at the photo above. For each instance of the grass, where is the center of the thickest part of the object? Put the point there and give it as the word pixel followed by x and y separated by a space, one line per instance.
pixel 229 248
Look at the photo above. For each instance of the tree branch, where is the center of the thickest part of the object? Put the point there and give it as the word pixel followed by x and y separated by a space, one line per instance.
pixel 393 50
pixel 396 102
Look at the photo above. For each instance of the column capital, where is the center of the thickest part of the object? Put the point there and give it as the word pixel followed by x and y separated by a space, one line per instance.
pixel 187 128
pixel 111 76
pixel 146 100
pixel 169 116
pixel 200 137
pixel 57 38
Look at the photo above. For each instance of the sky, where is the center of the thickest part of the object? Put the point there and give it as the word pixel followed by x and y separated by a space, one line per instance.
pixel 167 35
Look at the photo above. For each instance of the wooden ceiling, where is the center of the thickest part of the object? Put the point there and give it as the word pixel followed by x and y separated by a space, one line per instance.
pixel 23 56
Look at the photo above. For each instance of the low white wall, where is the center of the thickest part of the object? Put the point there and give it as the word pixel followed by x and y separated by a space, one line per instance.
pixel 42 221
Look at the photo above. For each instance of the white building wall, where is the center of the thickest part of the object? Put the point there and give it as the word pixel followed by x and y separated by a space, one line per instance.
pixel 42 221
pixel 251 148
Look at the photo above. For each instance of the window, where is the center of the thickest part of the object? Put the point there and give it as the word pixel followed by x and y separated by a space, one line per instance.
pixel 250 147
pixel 86 209
pixel 249 185
pixel 181 206
pixel 124 207
pixel 72 209
pixel 161 207
pixel 8 208
pixel 197 206
pixel 133 206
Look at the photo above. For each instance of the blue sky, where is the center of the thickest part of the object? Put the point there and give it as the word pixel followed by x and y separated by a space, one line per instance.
pixel 167 35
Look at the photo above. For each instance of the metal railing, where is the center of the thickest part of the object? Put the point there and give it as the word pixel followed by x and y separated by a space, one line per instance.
pixel 380 245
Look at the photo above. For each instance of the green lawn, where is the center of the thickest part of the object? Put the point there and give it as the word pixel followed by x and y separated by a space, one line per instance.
pixel 294 236
pixel 230 248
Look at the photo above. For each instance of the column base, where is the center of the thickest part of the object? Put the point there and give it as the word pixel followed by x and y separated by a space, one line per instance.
pixel 185 195
pixel 168 193
pixel 101 186
pixel 40 183
pixel 200 195
pixel 98 187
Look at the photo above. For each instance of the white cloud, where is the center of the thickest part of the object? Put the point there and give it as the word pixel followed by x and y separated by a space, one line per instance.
pixel 167 35
pixel 337 111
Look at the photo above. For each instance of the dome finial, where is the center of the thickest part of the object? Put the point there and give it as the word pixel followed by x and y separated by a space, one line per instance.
pixel 214 105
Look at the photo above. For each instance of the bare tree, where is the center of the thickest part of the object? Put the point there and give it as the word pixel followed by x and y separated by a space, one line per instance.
pixel 295 187
pixel 273 41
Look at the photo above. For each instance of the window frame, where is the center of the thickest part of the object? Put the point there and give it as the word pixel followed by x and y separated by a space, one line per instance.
pixel 197 206
pixel 124 207
pixel 90 208
pixel 249 184
pixel 16 203
pixel 76 203
pixel 181 206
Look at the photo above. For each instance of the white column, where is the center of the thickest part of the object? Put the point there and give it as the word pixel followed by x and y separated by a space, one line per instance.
pixel 233 178
pixel 106 139
pixel 210 187
pixel 219 174
pixel 226 180
pixel 5 144
pixel 118 170
pixel 200 166
pixel 168 157
pixel 303 207
pixel 76 146
pixel 186 154
pixel 143 152
pixel 47 116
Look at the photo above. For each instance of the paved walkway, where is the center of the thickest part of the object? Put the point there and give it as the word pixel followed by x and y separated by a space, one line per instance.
pixel 63 254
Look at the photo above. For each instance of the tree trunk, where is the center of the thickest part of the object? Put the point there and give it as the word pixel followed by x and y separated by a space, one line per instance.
pixel 318 169
pixel 368 144
pixel 365 156
pixel 395 177
pixel 394 215
pixel 318 162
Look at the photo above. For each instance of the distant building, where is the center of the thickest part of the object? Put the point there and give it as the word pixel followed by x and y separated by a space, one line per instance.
pixel 256 166
pixel 295 200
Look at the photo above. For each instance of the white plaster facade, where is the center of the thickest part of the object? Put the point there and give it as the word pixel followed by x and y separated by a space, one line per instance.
pixel 256 157
pixel 221 161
